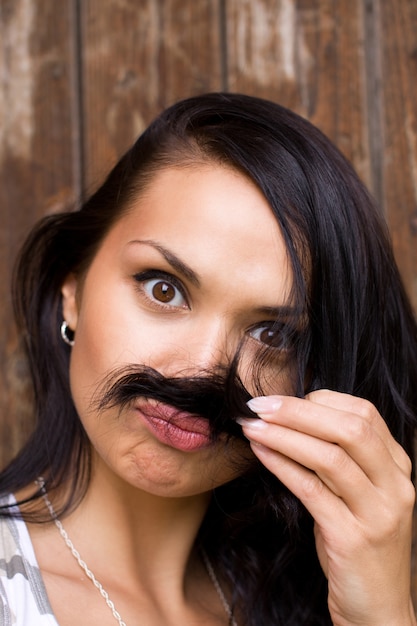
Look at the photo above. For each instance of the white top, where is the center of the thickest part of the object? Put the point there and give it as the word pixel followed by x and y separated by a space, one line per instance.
pixel 23 597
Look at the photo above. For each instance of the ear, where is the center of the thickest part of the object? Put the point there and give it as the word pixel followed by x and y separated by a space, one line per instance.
pixel 70 301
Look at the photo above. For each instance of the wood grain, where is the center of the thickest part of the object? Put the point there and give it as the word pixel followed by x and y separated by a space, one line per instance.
pixel 38 164
pixel 139 57
pixel 399 132
pixel 309 56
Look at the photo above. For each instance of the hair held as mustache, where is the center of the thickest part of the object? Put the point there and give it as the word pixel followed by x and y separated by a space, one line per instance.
pixel 218 397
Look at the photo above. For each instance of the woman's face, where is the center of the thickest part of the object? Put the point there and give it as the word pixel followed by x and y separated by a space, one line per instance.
pixel 195 265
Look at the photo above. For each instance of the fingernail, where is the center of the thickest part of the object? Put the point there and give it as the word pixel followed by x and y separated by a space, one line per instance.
pixel 264 404
pixel 251 422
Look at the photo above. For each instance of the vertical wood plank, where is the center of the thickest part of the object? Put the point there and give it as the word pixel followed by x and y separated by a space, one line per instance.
pixel 140 56
pixel 307 55
pixel 398 28
pixel 399 157
pixel 38 164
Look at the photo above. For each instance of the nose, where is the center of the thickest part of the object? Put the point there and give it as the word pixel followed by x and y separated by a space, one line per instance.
pixel 208 347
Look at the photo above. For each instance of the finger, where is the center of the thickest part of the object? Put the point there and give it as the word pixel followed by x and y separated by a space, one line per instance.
pixel 332 465
pixel 364 436
pixel 318 499
pixel 361 407
pixel 341 498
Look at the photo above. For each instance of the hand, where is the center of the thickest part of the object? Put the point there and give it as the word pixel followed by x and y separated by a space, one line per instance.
pixel 336 454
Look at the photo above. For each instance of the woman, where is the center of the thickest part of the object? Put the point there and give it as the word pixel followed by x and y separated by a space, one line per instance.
pixel 232 255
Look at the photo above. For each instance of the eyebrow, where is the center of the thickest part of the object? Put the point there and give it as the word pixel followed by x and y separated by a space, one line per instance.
pixel 279 312
pixel 171 258
pixel 275 312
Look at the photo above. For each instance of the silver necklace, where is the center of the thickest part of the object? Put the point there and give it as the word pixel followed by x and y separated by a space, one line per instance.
pixel 210 570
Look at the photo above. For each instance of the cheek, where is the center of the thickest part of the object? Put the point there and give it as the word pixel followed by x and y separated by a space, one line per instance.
pixel 108 329
pixel 111 335
pixel 105 339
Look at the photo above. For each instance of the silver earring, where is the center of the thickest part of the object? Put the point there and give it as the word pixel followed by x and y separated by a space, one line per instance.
pixel 67 334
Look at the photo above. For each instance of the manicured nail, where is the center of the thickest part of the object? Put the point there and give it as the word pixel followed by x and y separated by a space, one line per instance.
pixel 251 422
pixel 264 405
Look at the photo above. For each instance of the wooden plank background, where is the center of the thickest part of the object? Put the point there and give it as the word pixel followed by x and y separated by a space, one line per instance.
pixel 39 162
pixel 81 78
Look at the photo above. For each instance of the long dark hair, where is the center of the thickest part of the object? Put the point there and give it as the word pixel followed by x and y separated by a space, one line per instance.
pixel 360 335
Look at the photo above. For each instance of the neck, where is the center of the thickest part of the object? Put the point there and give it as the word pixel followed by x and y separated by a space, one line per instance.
pixel 150 537
pixel 175 589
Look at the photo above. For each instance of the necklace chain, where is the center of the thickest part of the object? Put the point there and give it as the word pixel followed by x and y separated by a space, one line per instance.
pixel 212 574
pixel 218 588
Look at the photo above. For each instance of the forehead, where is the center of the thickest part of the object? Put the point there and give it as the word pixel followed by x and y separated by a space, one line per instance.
pixel 213 199
pixel 213 217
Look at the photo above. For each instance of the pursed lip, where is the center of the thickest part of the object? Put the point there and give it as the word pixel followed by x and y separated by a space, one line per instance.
pixel 178 429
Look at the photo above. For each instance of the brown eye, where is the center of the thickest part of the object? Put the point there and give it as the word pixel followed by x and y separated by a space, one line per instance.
pixel 272 335
pixel 164 292
pixel 267 336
